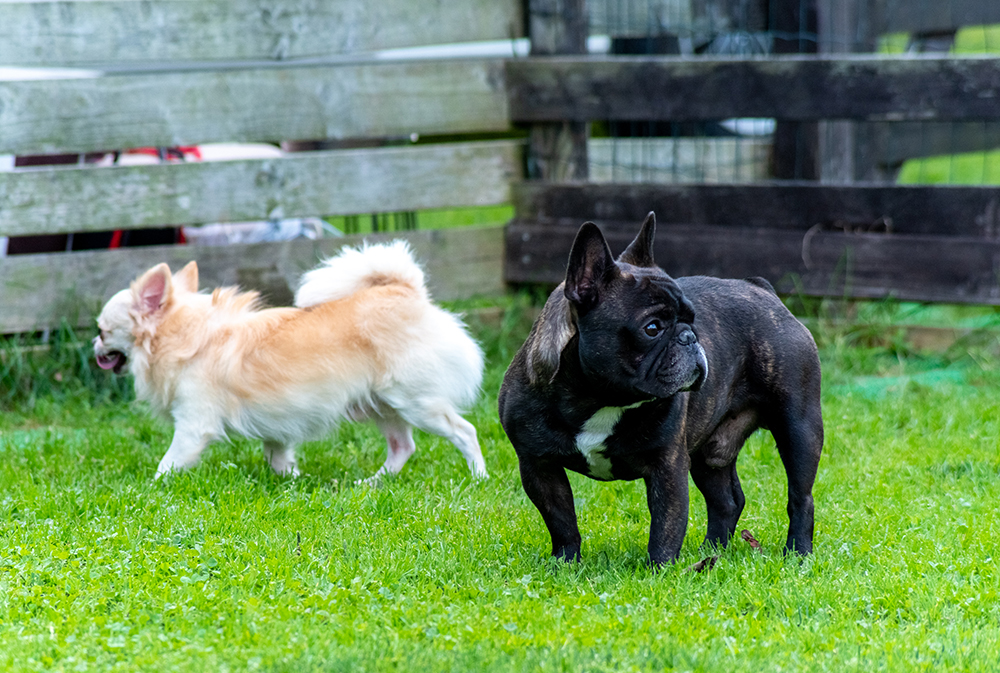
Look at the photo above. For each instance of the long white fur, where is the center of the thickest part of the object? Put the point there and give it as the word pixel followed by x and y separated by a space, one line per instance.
pixel 354 268
pixel 438 373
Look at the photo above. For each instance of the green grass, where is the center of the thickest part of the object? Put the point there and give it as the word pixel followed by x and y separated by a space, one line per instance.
pixel 228 567
pixel 968 168
pixel 444 218
pixel 978 40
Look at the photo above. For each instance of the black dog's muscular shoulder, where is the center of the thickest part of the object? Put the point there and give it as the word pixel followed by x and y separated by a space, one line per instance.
pixel 764 365
pixel 543 402
pixel 629 373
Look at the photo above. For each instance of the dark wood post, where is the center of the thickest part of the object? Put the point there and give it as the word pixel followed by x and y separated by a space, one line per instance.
pixel 557 151
pixel 846 148
pixel 795 154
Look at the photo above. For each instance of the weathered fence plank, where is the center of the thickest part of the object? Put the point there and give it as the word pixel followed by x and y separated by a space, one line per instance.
pixel 339 182
pixel 821 263
pixel 787 87
pixel 74 33
pixel 41 290
pixel 912 210
pixel 260 104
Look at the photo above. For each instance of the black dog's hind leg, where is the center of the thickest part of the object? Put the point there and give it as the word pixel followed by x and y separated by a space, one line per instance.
pixel 724 498
pixel 548 489
pixel 798 433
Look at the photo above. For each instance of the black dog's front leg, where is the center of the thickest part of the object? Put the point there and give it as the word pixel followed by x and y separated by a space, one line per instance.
pixel 548 488
pixel 667 497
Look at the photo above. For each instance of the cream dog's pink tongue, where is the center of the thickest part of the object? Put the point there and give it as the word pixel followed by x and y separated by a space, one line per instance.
pixel 109 360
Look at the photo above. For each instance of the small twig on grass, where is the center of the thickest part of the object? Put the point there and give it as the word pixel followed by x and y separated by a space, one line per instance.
pixel 704 564
pixel 748 536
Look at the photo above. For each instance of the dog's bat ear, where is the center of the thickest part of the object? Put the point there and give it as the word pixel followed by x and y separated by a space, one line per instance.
pixel 640 251
pixel 187 278
pixel 152 290
pixel 590 265
pixel 553 330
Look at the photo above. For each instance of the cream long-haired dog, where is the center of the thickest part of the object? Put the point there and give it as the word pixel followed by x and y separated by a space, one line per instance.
pixel 364 342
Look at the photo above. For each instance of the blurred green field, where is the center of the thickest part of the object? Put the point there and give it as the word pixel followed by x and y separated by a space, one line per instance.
pixel 444 218
pixel 972 168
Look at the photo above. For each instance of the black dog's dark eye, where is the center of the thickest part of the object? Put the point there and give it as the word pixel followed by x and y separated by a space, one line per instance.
pixel 653 329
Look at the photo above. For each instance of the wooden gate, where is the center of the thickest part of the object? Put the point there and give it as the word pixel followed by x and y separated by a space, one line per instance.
pixel 828 235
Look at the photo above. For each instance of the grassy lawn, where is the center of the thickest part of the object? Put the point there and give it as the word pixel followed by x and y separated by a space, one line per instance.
pixel 230 568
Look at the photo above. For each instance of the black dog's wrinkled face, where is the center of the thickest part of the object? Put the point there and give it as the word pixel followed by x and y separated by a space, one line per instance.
pixel 640 337
pixel 633 320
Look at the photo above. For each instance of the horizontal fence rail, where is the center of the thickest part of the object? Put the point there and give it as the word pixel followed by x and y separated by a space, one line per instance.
pixel 247 105
pixel 340 182
pixel 818 263
pixel 875 88
pixel 923 210
pixel 68 33
pixel 39 291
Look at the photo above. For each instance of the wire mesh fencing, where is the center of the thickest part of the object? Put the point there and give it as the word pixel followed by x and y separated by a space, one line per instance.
pixel 830 151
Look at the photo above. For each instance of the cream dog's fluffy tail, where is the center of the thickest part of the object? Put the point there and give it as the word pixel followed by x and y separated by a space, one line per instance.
pixel 357 268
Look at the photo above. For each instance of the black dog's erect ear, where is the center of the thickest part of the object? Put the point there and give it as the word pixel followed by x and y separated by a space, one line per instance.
pixel 640 251
pixel 590 265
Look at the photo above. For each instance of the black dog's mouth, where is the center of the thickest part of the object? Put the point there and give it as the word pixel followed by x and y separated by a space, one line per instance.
pixel 700 372
pixel 684 372
pixel 113 360
pixel 697 378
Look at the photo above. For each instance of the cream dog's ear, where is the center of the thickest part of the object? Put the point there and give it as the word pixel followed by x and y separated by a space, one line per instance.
pixel 187 278
pixel 152 290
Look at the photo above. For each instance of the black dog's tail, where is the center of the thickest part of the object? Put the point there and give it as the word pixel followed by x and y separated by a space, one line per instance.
pixel 761 282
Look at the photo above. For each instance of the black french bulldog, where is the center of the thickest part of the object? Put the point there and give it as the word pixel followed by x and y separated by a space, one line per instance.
pixel 629 373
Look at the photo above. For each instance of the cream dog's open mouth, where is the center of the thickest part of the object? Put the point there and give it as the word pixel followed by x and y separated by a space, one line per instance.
pixel 113 360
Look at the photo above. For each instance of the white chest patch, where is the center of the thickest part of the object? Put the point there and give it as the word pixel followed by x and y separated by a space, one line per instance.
pixel 590 440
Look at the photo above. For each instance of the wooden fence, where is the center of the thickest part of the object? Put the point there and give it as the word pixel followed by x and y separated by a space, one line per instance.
pixel 819 237
pixel 175 72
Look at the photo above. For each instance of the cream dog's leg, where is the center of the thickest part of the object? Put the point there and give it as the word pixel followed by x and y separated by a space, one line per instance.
pixel 400 446
pixel 450 425
pixel 463 435
pixel 185 449
pixel 281 458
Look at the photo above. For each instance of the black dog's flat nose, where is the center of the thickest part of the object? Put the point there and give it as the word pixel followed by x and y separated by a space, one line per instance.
pixel 686 338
